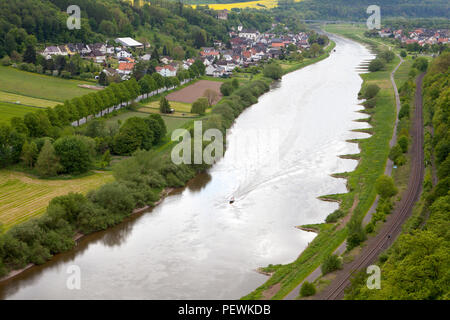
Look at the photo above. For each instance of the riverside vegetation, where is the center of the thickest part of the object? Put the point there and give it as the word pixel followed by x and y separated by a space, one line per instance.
pixel 415 267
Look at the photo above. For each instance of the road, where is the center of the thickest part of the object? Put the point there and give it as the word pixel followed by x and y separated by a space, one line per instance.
pixel 392 228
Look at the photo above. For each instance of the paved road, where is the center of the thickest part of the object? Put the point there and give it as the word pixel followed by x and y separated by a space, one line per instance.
pixel 392 228
pixel 388 170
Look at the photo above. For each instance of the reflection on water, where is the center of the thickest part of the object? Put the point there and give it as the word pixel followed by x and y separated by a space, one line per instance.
pixel 196 245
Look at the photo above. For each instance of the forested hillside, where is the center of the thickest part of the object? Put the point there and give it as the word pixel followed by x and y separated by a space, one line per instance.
pixel 356 9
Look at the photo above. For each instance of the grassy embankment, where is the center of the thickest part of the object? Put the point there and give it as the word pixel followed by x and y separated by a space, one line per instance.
pixel 372 160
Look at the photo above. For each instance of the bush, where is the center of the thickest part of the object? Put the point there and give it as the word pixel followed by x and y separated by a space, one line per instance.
pixel 334 216
pixel 6 61
pixel 200 106
pixel 403 142
pixel 404 111
pixel 387 55
pixel 307 289
pixel 371 91
pixel 385 187
pixel 371 103
pixel 376 65
pixel 273 71
pixel 331 263
pixel 356 234
pixel 421 64
pixel 226 88
pixel 395 152
pixel 74 154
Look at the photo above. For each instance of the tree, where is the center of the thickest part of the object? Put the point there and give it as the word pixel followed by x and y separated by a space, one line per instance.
pixel 134 134
pixel 273 71
pixel 307 289
pixel 331 263
pixel 103 79
pixel 376 65
pixel 48 164
pixel 403 142
pixel 315 49
pixel 164 106
pixel 387 55
pixel 385 186
pixel 106 159
pixel 421 64
pixel 371 91
pixel 356 234
pixel 211 96
pixel 226 88
pixel 74 154
pixel 29 154
pixel 235 83
pixel 403 54
pixel 199 106
pixel 30 54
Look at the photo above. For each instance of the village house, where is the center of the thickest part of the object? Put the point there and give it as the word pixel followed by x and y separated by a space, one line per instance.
pixel 123 54
pixel 166 71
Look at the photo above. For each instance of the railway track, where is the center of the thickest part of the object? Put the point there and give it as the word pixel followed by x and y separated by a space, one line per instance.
pixel 392 228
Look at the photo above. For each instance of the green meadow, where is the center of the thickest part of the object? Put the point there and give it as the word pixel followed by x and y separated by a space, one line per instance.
pixel 39 86
pixel 10 110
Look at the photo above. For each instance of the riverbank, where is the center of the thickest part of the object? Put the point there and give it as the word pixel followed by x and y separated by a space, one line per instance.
pixel 360 184
pixel 165 149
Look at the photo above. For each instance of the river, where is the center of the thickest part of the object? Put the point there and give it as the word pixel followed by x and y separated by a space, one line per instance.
pixel 195 245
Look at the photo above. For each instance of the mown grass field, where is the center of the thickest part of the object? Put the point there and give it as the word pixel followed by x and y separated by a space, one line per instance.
pixel 27 101
pixel 171 122
pixel 39 86
pixel 10 110
pixel 361 183
pixel 23 197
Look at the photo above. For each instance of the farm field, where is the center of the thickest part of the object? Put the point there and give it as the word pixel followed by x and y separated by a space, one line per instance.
pixel 27 101
pixel 23 197
pixel 262 4
pixel 171 122
pixel 10 110
pixel 39 86
pixel 194 91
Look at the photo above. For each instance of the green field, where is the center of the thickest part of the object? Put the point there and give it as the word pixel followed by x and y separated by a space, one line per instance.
pixel 27 101
pixel 171 122
pixel 10 110
pixel 39 86
pixel 23 197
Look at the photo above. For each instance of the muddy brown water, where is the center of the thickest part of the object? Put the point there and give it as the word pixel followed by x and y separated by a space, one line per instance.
pixel 195 245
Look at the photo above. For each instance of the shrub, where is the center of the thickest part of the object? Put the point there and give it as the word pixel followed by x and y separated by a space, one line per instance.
pixel 371 91
pixel 334 216
pixel 385 187
pixel 307 289
pixel 273 71
pixel 331 263
pixel 404 111
pixel 74 154
pixel 376 65
pixel 200 106
pixel 403 142
pixel 226 88
pixel 356 234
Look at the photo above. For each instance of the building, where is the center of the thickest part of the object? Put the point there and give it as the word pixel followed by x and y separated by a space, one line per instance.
pixel 125 68
pixel 223 14
pixel 123 54
pixel 129 42
pixel 167 71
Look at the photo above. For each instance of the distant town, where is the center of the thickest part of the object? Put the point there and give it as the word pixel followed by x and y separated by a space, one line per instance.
pixel 246 48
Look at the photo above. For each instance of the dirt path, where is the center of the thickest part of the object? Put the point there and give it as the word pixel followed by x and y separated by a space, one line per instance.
pixel 392 228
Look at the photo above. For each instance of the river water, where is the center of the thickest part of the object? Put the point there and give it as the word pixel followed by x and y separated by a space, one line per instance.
pixel 195 245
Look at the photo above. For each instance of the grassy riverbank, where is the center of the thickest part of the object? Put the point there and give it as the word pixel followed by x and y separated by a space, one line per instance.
pixel 361 186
